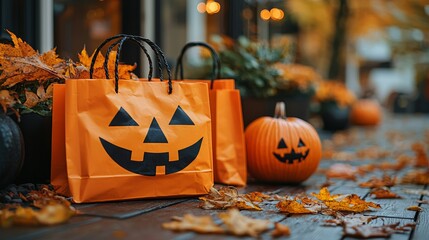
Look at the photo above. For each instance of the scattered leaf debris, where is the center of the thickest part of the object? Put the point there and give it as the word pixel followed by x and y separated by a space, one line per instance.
pixel 227 197
pixel 369 231
pixel 280 230
pixel 232 222
pixel 383 193
pixel 414 208
pixel 31 205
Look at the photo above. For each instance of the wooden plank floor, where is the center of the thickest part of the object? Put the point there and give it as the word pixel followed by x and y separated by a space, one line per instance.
pixel 142 219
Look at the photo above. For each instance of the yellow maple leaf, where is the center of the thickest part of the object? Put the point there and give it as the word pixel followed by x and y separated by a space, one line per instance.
pixel 348 203
pixel 23 48
pixel 227 197
pixel 84 58
pixel 124 70
pixel 292 206
pixel 51 58
pixel 325 195
pixel 257 196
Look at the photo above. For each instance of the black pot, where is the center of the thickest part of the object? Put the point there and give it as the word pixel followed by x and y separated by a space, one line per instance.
pixel 334 117
pixel 296 106
pixel 37 132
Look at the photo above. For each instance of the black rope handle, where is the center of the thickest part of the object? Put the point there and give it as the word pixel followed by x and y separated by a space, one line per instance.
pixel 216 61
pixel 98 49
pixel 215 57
pixel 120 42
pixel 159 52
pixel 122 38
pixel 109 50
pixel 138 40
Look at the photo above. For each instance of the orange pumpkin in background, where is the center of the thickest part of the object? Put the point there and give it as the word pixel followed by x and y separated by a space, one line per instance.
pixel 366 112
pixel 281 149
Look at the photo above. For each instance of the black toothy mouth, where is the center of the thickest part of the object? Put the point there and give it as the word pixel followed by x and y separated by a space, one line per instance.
pixel 292 156
pixel 147 167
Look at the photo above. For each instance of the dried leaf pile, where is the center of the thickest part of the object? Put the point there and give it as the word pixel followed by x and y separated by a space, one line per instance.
pixel 232 222
pixel 228 197
pixel 356 225
pixel 37 206
pixel 239 225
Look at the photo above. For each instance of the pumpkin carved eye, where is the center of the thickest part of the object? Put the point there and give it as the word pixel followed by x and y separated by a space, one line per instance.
pixel 301 143
pixel 282 144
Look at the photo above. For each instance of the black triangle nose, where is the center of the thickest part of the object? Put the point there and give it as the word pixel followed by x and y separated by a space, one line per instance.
pixel 155 134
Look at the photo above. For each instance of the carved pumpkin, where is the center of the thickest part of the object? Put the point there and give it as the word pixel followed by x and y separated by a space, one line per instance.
pixel 282 149
pixel 366 112
pixel 153 158
pixel 11 150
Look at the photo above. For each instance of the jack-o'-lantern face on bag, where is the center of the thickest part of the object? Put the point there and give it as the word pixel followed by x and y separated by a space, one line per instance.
pixel 286 154
pixel 155 134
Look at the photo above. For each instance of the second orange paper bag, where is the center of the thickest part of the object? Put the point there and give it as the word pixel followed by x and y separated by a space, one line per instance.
pixel 229 152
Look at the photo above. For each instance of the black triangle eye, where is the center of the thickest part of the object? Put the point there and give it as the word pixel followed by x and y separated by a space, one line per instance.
pixel 180 118
pixel 301 143
pixel 122 118
pixel 282 144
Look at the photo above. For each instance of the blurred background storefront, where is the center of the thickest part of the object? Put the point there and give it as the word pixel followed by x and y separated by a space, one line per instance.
pixel 374 46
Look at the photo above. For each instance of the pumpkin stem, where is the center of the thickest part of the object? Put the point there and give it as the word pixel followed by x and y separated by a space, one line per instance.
pixel 280 110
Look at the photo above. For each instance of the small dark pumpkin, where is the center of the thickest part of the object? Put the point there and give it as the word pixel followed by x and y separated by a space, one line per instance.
pixel 334 117
pixel 11 150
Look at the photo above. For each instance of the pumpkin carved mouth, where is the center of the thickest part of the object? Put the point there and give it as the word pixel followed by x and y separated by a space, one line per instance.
pixel 147 167
pixel 293 155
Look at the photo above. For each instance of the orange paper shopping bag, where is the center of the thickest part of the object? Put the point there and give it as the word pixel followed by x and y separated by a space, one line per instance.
pixel 127 139
pixel 229 152
pixel 59 177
